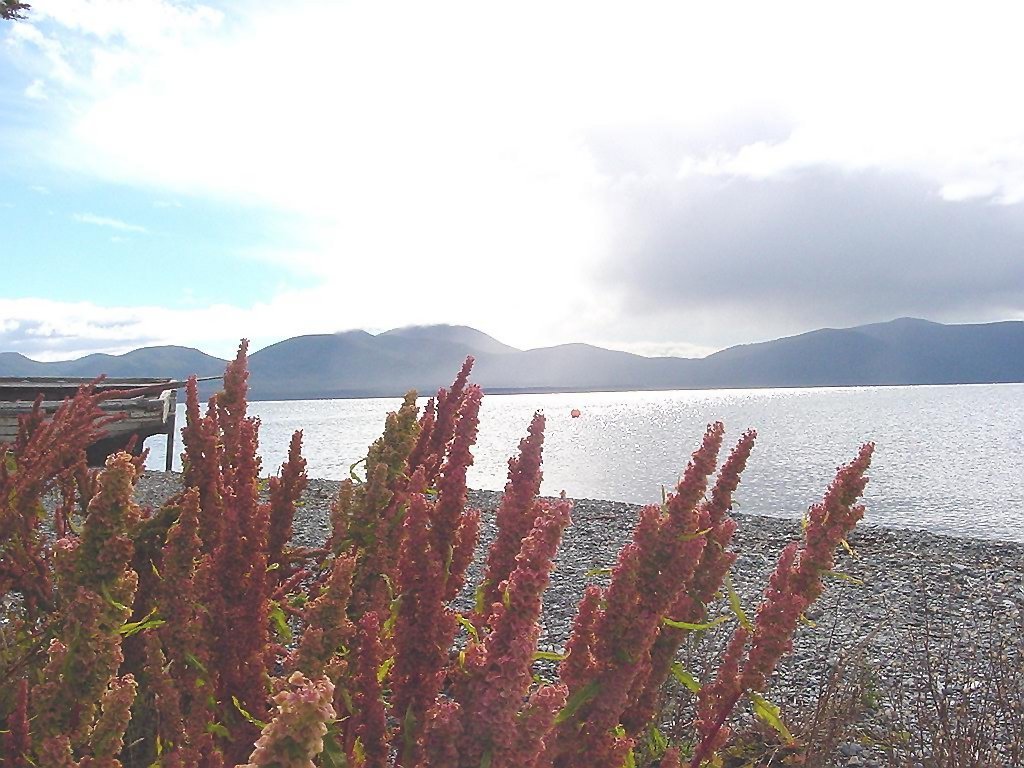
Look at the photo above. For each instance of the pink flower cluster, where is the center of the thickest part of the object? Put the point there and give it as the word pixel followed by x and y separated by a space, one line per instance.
pixel 296 734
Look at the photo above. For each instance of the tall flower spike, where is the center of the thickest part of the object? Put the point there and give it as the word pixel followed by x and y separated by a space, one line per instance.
pixel 285 491
pixel 201 463
pixel 690 606
pixel 326 620
pixel 107 737
pixel 423 632
pixel 371 719
pixel 442 430
pixel 42 451
pixel 447 514
pixel 514 517
pixel 497 676
pixel 16 740
pixel 794 585
pixel 652 570
pixel 98 585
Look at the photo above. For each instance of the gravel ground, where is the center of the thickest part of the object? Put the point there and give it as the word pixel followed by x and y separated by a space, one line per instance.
pixel 959 593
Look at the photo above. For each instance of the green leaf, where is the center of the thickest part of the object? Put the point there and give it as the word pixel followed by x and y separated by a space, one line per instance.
pixel 110 599
pixel 734 603
pixel 694 627
pixel 549 656
pixel 218 729
pixel 485 761
pixel 657 740
pixel 384 668
pixel 346 699
pixel 280 622
pixel 390 585
pixel 388 627
pixel 238 705
pixel 408 736
pixel 684 677
pixel 352 471
pixel 468 626
pixel 577 700
pixel 478 599
pixel 195 663
pixel 333 756
pixel 695 534
pixel 134 627
pixel 770 714
pixel 598 572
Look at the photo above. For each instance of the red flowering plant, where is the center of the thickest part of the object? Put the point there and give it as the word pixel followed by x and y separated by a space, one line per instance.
pixel 198 635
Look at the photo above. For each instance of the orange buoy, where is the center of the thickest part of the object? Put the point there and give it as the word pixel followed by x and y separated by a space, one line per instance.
pixel 575 413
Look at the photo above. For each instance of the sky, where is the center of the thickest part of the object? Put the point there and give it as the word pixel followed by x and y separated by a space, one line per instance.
pixel 663 178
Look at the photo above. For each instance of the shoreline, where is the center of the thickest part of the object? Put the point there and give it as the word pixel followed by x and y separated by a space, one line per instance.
pixel 898 578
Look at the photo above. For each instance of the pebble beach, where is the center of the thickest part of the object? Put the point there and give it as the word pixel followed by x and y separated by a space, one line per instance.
pixel 903 596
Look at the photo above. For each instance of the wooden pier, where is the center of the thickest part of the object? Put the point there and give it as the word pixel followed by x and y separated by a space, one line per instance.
pixel 146 413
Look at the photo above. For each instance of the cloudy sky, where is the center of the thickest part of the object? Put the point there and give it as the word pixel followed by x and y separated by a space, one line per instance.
pixel 648 176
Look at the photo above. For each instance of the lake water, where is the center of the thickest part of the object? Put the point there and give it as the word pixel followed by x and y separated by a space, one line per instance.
pixel 949 459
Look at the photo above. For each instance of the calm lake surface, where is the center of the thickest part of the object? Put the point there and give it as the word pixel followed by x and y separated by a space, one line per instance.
pixel 949 459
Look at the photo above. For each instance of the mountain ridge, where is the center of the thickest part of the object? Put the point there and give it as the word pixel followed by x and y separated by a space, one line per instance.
pixel 361 364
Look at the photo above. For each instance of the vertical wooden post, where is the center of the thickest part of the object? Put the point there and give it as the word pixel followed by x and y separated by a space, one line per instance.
pixel 172 405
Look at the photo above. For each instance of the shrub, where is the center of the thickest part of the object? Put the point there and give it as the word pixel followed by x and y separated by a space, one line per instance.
pixel 196 635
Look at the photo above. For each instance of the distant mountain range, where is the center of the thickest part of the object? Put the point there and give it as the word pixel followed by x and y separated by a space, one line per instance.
pixel 360 364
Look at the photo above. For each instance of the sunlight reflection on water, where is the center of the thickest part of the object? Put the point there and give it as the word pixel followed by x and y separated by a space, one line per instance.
pixel 948 458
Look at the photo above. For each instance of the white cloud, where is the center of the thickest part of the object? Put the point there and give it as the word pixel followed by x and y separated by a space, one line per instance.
pixel 361 104
pixel 660 348
pixel 55 330
pixel 107 221
pixel 441 155
pixel 36 91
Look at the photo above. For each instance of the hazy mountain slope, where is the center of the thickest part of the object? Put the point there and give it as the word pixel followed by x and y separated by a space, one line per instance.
pixel 476 340
pixel 359 364
pixel 580 366
pixel 156 362
pixel 16 364
pixel 904 351
pixel 946 354
pixel 353 364
pixel 819 358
